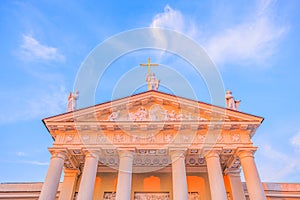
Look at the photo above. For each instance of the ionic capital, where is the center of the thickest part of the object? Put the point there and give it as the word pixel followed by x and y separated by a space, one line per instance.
pixel 58 153
pixel 244 153
pixel 213 153
pixel 232 172
pixel 71 172
pixel 92 153
pixel 177 153
pixel 126 152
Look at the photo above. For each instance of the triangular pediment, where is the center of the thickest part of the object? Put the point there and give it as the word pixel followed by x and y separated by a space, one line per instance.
pixel 153 106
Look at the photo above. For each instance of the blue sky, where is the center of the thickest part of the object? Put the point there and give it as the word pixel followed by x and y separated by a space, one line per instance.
pixel 254 44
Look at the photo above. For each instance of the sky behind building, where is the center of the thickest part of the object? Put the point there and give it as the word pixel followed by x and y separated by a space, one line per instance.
pixel 254 45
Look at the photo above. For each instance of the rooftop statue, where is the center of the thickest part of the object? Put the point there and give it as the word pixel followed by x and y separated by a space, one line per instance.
pixel 152 81
pixel 231 103
pixel 72 101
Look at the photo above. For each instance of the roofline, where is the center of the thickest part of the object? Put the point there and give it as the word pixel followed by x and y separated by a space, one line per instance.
pixel 151 91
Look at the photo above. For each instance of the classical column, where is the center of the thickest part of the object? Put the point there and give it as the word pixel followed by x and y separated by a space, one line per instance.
pixel 125 175
pixel 234 184
pixel 86 187
pixel 68 186
pixel 254 186
pixel 52 179
pixel 215 176
pixel 180 191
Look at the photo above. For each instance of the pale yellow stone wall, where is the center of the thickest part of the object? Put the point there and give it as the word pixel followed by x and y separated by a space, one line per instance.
pixel 152 182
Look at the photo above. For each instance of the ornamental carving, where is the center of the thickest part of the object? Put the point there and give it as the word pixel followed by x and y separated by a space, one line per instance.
pixel 156 113
pixel 236 138
pixel 85 138
pixel 201 138
pixel 168 138
pixel 151 195
pixel 220 138
pixel 135 138
pixel 118 138
pixel 69 138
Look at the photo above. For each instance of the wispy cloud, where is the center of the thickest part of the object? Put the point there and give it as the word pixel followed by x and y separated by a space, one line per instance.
pixel 21 154
pixel 295 141
pixel 287 165
pixel 30 162
pixel 33 162
pixel 174 20
pixel 25 105
pixel 253 40
pixel 32 50
pixel 279 164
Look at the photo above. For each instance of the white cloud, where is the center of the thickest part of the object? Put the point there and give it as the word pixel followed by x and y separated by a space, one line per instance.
pixel 277 165
pixel 253 40
pixel 170 18
pixel 25 105
pixel 35 162
pixel 173 20
pixel 295 141
pixel 21 154
pixel 32 50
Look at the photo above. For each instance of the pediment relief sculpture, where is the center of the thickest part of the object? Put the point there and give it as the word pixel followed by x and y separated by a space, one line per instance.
pixel 155 113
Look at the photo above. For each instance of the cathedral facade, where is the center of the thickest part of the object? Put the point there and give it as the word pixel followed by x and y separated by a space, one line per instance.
pixel 152 146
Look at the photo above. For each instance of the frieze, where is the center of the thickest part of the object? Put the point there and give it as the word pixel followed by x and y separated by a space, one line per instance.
pixel 156 113
pixel 159 137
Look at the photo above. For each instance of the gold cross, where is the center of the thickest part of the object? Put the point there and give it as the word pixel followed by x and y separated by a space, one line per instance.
pixel 149 65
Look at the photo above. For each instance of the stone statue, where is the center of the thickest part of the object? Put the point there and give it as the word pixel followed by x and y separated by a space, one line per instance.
pixel 231 103
pixel 152 81
pixel 72 101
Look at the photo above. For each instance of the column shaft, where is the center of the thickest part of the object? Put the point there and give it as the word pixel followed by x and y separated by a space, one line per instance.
pixel 180 191
pixel 86 187
pixel 124 176
pixel 69 184
pixel 52 179
pixel 235 186
pixel 254 186
pixel 215 176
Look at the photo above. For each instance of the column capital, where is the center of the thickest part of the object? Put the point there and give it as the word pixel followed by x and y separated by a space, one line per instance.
pixel 176 153
pixel 58 153
pixel 126 152
pixel 94 153
pixel 232 172
pixel 212 153
pixel 246 152
pixel 71 172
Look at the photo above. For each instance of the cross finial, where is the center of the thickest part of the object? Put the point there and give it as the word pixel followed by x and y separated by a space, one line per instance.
pixel 149 65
